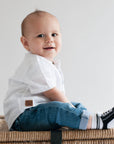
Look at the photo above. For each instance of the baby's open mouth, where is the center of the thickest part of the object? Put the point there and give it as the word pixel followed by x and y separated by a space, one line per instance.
pixel 48 48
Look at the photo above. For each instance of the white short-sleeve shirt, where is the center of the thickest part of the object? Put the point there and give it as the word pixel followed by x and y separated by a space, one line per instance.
pixel 34 76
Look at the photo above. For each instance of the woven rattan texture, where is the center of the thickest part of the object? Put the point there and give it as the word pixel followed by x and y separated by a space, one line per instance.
pixel 44 137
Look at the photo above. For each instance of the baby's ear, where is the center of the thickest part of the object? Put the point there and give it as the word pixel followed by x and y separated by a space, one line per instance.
pixel 24 41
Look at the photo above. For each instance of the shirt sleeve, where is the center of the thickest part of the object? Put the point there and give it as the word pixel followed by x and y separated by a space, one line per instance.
pixel 40 75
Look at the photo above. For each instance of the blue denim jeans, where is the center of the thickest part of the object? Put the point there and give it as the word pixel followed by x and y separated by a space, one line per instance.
pixel 52 115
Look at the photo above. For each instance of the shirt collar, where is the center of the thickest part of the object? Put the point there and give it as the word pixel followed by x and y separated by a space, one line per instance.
pixel 56 62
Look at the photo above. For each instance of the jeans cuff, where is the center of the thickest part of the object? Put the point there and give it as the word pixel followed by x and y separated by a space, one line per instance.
pixel 84 120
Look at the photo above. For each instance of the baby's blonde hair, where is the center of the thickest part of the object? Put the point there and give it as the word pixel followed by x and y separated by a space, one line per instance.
pixel 27 19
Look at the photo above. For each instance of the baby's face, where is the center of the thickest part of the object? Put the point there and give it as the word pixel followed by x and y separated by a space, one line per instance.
pixel 44 37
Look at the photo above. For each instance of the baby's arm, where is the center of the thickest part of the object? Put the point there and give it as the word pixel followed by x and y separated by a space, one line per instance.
pixel 56 95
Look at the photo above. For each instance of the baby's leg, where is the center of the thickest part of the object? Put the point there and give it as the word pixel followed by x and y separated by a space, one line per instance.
pixel 96 121
pixel 53 115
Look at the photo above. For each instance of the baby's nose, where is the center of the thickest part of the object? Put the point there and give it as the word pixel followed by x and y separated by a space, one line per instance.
pixel 49 39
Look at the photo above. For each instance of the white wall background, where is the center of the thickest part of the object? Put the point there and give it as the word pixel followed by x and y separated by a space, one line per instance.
pixel 88 46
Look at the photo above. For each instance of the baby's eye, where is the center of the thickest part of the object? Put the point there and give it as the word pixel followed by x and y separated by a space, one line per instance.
pixel 54 34
pixel 41 35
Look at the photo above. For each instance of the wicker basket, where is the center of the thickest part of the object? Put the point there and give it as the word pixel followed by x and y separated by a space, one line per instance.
pixel 64 136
